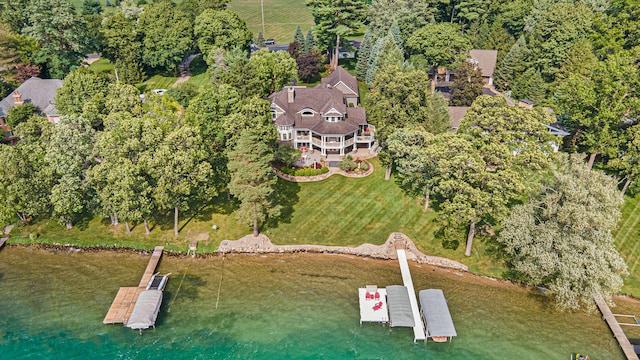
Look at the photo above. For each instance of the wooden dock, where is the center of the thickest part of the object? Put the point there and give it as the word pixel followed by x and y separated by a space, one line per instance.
pixel 125 300
pixel 607 315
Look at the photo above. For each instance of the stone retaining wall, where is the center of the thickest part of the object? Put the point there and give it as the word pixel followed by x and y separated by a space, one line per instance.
pixel 263 245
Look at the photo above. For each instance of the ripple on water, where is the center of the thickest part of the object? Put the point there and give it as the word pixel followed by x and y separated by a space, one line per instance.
pixel 271 307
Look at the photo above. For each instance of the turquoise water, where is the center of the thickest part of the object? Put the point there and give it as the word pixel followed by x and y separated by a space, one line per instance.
pixel 270 307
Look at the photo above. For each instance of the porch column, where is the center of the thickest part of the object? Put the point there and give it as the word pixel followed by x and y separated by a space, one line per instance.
pixel 342 145
pixel 323 146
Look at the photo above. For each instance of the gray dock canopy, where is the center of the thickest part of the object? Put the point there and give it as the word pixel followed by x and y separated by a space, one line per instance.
pixel 436 313
pixel 400 313
pixel 146 310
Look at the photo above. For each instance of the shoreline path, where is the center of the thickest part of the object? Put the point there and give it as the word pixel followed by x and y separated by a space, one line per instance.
pixel 261 244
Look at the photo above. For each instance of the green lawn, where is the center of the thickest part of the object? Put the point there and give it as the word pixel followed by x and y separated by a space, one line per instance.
pixel 199 74
pixel 102 65
pixel 628 241
pixel 336 211
pixel 158 81
pixel 281 17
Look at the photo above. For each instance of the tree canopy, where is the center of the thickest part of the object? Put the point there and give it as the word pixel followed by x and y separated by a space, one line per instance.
pixel 561 238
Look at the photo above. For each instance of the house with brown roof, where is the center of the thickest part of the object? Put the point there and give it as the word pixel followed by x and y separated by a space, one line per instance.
pixel 325 118
pixel 39 92
pixel 486 61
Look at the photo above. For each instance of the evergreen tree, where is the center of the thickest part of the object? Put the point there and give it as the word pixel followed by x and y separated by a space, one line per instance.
pixel 512 64
pixel 309 42
pixel 372 66
pixel 298 35
pixel 530 85
pixel 260 39
pixel 362 63
pixel 394 31
pixel 252 179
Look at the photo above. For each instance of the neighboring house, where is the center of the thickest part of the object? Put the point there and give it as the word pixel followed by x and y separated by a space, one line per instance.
pixel 39 92
pixel 324 118
pixel 486 61
pixel 483 59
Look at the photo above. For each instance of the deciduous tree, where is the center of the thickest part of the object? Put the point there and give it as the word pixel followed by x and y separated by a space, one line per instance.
pixel 221 29
pixel 562 237
pixel 467 85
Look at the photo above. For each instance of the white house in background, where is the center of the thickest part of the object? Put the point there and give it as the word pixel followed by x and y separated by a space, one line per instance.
pixel 39 92
pixel 325 118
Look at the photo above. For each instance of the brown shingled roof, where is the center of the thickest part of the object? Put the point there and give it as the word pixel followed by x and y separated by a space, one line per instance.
pixel 486 60
pixel 321 101
pixel 341 75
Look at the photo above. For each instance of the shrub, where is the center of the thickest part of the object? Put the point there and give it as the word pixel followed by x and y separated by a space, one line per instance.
pixel 287 170
pixel 364 166
pixel 324 170
pixel 347 164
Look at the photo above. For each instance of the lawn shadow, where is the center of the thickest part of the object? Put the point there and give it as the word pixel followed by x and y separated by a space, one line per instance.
pixel 286 195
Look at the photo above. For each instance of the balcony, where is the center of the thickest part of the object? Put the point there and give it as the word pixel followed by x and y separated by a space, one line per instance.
pixel 364 139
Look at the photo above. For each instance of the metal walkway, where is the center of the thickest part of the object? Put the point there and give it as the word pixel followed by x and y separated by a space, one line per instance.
pixel 418 329
pixel 125 300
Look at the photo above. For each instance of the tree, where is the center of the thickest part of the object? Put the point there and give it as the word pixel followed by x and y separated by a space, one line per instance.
pixel 298 36
pixel 389 54
pixel 495 36
pixel 362 63
pixel 272 70
pixel 18 114
pixel 91 7
pixel 69 153
pixel 253 179
pixel 595 107
pixel 83 94
pixel 221 29
pixel 25 178
pixel 530 85
pixel 467 85
pixel 60 34
pixel 309 42
pixel 562 238
pixel 310 65
pixel 122 44
pixel 333 19
pixel 294 49
pixel 409 16
pixel 514 63
pixel 183 93
pixel 166 33
pixel 508 144
pixel 408 149
pixel 400 99
pixel 555 34
pixel 441 44
pixel 628 160
pixel 178 163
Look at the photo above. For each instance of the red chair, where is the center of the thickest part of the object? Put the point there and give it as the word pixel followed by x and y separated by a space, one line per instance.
pixel 369 296
pixel 377 296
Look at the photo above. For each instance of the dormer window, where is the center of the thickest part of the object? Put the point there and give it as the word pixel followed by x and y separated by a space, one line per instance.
pixel 307 113
pixel 333 118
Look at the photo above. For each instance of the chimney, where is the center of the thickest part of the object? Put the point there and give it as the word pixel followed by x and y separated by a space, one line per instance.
pixel 291 95
pixel 17 99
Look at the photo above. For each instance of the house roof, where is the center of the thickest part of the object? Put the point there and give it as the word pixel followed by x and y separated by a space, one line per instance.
pixel 486 60
pixel 321 101
pixel 39 92
pixel 340 77
pixel 457 113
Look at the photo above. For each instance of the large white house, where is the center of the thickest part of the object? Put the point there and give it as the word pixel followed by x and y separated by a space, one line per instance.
pixel 326 118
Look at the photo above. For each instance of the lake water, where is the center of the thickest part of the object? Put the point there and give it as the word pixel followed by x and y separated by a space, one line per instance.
pixel 271 307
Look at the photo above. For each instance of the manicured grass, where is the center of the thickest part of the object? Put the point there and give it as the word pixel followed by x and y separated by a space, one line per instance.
pixel 199 74
pixel 102 65
pixel 158 81
pixel 628 243
pixel 336 211
pixel 281 17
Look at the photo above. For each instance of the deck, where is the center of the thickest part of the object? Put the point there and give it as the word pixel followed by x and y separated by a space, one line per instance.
pixel 122 306
pixel 367 311
pixel 607 315
pixel 418 329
